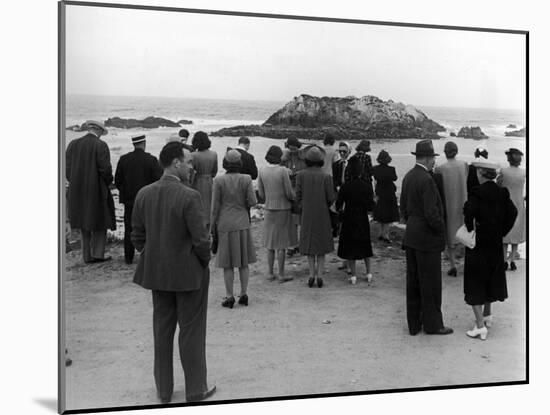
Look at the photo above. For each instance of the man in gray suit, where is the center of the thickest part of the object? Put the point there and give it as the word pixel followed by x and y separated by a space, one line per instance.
pixel 424 240
pixel 169 230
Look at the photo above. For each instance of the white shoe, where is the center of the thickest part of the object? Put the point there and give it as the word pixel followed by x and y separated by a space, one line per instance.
pixel 481 332
pixel 369 278
pixel 353 280
pixel 488 320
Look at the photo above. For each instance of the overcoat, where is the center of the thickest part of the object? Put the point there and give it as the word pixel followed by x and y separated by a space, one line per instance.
pixel 89 173
pixel 315 193
pixel 422 208
pixel 492 213
pixel 134 171
pixel 385 210
pixel 169 229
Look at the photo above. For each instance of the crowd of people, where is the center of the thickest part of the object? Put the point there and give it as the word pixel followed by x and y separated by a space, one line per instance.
pixel 178 210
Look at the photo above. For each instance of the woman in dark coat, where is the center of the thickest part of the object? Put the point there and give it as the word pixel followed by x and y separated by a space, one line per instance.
pixel 356 197
pixel 490 211
pixel 385 210
pixel 315 193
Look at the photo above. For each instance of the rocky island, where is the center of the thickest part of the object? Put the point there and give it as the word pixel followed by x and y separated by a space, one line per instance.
pixel 516 133
pixel 472 132
pixel 149 122
pixel 352 118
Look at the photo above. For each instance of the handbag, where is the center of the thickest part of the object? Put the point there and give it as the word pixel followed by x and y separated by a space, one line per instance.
pixel 468 239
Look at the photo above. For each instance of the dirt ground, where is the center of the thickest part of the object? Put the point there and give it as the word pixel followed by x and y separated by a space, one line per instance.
pixel 281 344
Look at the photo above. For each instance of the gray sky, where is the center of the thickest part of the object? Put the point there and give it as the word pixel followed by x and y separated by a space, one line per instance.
pixel 151 53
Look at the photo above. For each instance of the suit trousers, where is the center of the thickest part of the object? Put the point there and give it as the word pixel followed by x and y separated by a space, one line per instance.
pixel 93 244
pixel 423 291
pixel 187 309
pixel 129 249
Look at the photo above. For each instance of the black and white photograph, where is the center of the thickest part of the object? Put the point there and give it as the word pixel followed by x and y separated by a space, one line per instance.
pixel 258 206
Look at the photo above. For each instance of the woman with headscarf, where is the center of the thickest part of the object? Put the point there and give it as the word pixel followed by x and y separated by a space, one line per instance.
pixel 361 153
pixel 513 178
pixel 205 164
pixel 385 209
pixel 315 193
pixel 232 196
pixel 279 231
pixel 353 201
pixel 490 212
pixel 293 159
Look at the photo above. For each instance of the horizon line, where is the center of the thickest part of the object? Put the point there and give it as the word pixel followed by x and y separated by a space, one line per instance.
pixel 283 101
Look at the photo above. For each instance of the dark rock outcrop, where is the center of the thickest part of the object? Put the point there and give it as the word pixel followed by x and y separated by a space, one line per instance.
pixel 76 128
pixel 185 122
pixel 453 134
pixel 351 118
pixel 511 126
pixel 516 133
pixel 149 122
pixel 472 132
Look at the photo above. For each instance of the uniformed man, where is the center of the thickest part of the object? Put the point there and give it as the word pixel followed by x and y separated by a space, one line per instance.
pixel 134 171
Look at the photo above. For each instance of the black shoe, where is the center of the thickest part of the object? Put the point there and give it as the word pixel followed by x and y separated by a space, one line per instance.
pixel 414 332
pixel 310 282
pixel 319 282
pixel 506 266
pixel 442 331
pixel 202 396
pixel 513 266
pixel 228 302
pixel 452 272
pixel 97 260
pixel 243 299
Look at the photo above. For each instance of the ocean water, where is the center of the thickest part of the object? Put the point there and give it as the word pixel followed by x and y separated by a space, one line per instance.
pixel 210 115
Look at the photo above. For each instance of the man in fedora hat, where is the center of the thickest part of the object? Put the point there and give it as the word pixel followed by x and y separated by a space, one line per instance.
pixel 424 240
pixel 91 205
pixel 135 170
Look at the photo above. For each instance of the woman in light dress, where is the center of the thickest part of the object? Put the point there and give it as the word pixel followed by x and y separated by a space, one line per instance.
pixel 513 178
pixel 279 231
pixel 232 196
pixel 205 164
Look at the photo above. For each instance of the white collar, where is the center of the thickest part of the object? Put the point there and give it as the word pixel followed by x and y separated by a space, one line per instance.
pixel 172 175
pixel 242 148
pixel 424 167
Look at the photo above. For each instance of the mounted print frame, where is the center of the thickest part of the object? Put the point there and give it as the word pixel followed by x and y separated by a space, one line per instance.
pixel 288 318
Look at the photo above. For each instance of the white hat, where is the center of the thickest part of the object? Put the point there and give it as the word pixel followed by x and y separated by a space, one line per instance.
pixel 485 164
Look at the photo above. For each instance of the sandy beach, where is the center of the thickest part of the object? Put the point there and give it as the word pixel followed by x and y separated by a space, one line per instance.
pixel 291 339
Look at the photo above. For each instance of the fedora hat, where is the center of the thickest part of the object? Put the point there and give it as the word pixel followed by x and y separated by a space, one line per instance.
pixel 96 124
pixel 424 148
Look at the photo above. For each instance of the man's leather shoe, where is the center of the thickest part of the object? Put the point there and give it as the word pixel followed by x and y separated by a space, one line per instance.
pixel 414 332
pixel 96 260
pixel 202 396
pixel 442 331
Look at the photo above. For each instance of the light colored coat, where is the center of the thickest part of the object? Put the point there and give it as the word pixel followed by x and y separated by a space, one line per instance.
pixel 275 187
pixel 454 174
pixel 232 196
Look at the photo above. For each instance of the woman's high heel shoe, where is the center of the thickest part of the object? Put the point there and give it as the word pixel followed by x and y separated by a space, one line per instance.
pixel 319 282
pixel 243 299
pixel 310 282
pixel 488 320
pixel 481 332
pixel 513 266
pixel 228 302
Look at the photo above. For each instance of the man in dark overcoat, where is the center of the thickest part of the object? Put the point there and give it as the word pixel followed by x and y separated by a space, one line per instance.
pixel 248 163
pixel 169 230
pixel 91 205
pixel 422 209
pixel 134 171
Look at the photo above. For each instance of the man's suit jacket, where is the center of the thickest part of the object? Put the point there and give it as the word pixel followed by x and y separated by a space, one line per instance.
pixel 337 176
pixel 422 208
pixel 249 164
pixel 169 228
pixel 134 171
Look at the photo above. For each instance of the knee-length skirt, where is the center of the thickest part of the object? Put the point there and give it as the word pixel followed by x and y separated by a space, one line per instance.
pixel 279 230
pixel 235 249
